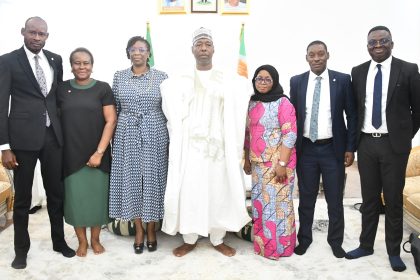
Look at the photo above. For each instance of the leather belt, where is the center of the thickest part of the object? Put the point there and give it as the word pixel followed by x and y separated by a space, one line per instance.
pixel 322 141
pixel 376 135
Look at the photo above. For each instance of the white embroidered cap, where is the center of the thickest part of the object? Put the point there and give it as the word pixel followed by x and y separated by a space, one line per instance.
pixel 202 33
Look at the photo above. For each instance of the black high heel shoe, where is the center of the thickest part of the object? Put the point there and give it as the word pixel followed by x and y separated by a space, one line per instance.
pixel 138 248
pixel 151 246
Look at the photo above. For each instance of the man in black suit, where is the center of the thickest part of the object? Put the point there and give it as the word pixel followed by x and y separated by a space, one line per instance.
pixel 387 90
pixel 31 131
pixel 324 145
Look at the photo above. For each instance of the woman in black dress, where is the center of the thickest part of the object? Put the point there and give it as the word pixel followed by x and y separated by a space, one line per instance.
pixel 88 119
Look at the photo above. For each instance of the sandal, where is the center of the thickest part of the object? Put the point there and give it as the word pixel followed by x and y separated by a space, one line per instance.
pixel 151 246
pixel 138 248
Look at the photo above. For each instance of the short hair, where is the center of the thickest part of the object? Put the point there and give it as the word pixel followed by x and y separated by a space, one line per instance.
pixel 81 49
pixel 135 39
pixel 37 18
pixel 317 42
pixel 380 27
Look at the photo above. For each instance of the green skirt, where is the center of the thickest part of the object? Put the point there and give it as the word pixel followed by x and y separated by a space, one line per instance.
pixel 86 198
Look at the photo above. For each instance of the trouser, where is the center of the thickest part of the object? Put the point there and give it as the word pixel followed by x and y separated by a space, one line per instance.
pixel 317 160
pixel 381 170
pixel 216 237
pixel 50 157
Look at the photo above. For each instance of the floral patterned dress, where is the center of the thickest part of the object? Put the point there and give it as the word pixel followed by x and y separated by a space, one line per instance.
pixel 269 125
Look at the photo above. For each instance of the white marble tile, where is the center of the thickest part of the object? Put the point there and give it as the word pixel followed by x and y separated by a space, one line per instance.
pixel 120 262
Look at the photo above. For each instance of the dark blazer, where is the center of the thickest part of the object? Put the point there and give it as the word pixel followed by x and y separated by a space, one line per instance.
pixel 341 100
pixel 24 127
pixel 402 104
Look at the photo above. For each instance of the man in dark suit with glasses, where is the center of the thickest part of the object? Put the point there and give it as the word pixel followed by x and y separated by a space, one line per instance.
pixel 387 90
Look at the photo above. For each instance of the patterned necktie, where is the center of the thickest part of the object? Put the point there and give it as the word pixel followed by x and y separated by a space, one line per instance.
pixel 377 99
pixel 40 77
pixel 313 128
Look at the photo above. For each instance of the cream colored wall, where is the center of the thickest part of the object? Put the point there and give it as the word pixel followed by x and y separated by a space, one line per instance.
pixel 276 32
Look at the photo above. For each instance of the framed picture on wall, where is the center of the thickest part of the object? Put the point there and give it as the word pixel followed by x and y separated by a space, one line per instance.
pixel 172 6
pixel 204 6
pixel 234 6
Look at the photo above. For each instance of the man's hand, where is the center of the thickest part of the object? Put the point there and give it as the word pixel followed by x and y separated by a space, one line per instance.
pixel 348 159
pixel 8 159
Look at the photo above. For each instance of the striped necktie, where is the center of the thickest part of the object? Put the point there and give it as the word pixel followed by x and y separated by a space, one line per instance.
pixel 313 127
pixel 42 81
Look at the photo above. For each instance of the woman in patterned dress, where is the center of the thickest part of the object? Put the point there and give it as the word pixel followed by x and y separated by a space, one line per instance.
pixel 140 147
pixel 88 119
pixel 271 159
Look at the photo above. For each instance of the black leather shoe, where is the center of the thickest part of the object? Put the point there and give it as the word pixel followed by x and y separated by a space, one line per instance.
pixel 138 248
pixel 151 246
pixel 19 262
pixel 65 250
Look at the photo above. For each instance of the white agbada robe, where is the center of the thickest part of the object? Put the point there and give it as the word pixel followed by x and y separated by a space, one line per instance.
pixel 206 121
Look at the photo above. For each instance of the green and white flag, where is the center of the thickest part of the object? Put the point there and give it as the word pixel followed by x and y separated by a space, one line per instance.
pixel 149 39
pixel 242 65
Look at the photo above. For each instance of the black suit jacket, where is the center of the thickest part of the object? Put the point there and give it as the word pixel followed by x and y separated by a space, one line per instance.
pixel 402 104
pixel 341 100
pixel 24 127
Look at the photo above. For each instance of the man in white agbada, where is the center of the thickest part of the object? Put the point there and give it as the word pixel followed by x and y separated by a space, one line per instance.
pixel 206 112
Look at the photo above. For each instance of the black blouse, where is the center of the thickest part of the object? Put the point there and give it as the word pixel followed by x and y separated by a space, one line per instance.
pixel 83 122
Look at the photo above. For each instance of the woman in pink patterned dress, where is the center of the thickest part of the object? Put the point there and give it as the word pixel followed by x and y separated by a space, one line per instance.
pixel 271 159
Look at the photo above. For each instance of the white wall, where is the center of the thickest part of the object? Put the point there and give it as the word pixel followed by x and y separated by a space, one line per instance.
pixel 276 32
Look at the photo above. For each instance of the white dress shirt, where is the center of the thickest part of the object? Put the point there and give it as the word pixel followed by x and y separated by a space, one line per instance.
pixel 324 115
pixel 370 81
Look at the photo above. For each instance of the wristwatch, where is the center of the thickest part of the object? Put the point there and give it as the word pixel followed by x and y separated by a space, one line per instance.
pixel 282 163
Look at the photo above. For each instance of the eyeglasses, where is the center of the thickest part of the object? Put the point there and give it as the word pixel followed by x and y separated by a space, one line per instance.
pixel 261 80
pixel 132 50
pixel 40 34
pixel 373 43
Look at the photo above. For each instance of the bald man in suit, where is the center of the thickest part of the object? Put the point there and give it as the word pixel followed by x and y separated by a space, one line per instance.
pixel 29 77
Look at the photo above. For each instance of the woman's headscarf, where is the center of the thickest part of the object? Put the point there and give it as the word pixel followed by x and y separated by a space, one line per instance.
pixel 276 91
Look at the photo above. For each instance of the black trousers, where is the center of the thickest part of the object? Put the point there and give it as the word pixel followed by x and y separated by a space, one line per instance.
pixel 381 170
pixel 50 157
pixel 317 160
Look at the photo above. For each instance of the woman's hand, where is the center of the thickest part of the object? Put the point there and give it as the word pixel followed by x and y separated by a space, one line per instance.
pixel 281 173
pixel 95 160
pixel 247 167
